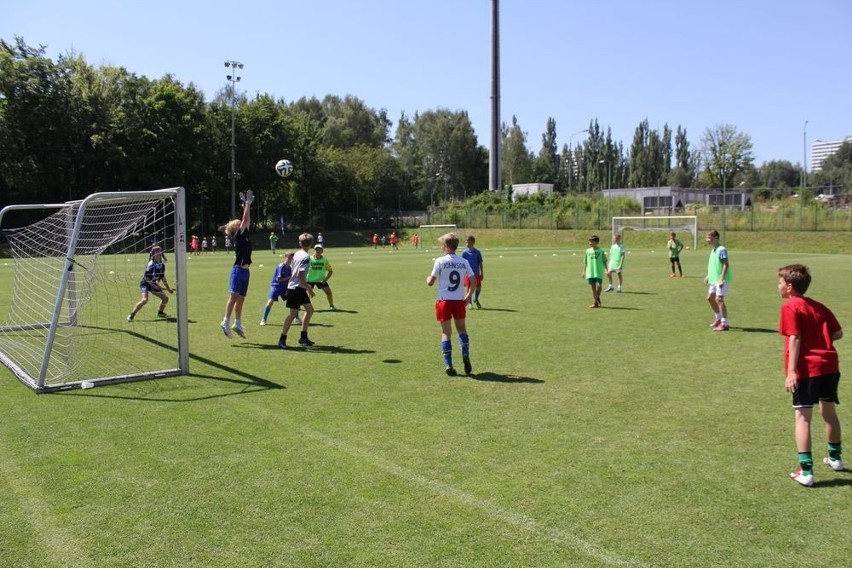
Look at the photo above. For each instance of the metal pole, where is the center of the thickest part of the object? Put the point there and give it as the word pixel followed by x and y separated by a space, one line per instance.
pixel 233 78
pixel 495 181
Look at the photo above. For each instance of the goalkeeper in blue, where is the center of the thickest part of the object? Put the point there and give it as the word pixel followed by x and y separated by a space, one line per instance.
pixel 450 271
pixel 238 232
pixel 155 275
pixel 278 287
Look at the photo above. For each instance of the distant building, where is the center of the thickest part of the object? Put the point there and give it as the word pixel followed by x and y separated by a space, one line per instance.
pixel 530 188
pixel 672 200
pixel 822 149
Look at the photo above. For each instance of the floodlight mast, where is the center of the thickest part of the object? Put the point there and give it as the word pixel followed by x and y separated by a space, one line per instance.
pixel 234 79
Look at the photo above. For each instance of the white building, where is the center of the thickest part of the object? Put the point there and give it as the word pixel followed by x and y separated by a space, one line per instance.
pixel 530 188
pixel 822 149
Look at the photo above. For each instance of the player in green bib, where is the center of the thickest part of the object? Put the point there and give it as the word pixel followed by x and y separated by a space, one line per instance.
pixel 594 268
pixel 616 262
pixel 319 273
pixel 718 278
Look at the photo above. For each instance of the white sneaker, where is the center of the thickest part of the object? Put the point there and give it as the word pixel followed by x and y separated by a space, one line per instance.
pixel 806 480
pixel 263 322
pixel 836 465
pixel 297 321
pixel 608 289
pixel 238 330
pixel 225 329
pixel 618 290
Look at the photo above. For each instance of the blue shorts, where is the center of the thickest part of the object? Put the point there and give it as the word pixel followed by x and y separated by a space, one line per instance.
pixel 239 281
pixel 278 291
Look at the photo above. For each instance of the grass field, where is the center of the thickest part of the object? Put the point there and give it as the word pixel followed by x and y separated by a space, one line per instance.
pixel 627 436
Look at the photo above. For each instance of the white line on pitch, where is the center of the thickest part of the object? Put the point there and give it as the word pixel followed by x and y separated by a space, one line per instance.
pixel 518 519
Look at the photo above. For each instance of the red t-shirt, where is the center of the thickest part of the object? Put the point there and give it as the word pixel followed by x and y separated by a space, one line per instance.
pixel 814 324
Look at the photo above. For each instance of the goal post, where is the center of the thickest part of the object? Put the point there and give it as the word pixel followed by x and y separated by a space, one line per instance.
pixel 429 233
pixel 668 223
pixel 77 274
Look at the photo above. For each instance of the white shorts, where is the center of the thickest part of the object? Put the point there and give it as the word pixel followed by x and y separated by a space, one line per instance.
pixel 718 290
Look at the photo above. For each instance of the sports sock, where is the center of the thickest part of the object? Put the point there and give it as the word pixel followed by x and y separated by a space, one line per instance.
pixel 447 350
pixel 464 343
pixel 226 322
pixel 303 334
pixel 238 323
pixel 266 311
pixel 834 451
pixel 806 461
pixel 476 295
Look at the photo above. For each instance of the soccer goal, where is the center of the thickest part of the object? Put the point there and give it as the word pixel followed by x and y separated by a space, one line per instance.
pixel 668 223
pixel 429 234
pixel 76 275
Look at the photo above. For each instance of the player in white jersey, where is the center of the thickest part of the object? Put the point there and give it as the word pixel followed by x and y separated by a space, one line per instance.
pixel 450 271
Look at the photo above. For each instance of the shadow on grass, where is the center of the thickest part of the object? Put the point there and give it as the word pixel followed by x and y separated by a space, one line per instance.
pixel 293 345
pixel 754 329
pixel 611 307
pixel 834 483
pixel 491 310
pixel 496 378
pixel 335 311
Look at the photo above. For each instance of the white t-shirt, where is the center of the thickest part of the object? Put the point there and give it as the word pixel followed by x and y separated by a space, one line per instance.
pixel 450 271
pixel 301 263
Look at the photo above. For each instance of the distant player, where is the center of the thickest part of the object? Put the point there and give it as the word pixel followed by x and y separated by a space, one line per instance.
pixel 278 287
pixel 675 246
pixel 594 268
pixel 238 231
pixel 616 263
pixel 450 271
pixel 474 258
pixel 719 279
pixel 319 273
pixel 155 274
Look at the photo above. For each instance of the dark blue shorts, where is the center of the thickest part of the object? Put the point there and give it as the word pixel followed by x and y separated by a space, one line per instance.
pixel 278 291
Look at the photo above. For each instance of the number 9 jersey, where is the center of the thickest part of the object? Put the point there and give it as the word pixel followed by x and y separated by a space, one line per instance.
pixel 450 271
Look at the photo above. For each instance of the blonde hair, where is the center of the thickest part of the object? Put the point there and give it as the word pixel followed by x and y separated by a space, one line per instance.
pixel 451 240
pixel 231 227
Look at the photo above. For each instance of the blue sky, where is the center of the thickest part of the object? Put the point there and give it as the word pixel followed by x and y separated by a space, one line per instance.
pixel 765 66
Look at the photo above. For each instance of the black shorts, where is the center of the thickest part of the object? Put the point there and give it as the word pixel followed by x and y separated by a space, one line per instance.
pixel 809 392
pixel 674 259
pixel 296 298
pixel 320 285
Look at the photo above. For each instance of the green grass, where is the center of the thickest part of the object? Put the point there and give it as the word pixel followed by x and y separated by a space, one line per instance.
pixel 631 435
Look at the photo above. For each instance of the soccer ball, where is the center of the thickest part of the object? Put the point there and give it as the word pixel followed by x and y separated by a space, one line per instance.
pixel 284 168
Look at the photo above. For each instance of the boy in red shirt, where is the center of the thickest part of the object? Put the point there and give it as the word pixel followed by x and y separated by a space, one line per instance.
pixel 811 366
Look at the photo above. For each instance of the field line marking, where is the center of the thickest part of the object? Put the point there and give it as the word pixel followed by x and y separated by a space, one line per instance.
pixel 493 510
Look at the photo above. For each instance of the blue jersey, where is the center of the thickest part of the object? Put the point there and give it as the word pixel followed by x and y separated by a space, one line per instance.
pixel 282 271
pixel 474 259
pixel 154 273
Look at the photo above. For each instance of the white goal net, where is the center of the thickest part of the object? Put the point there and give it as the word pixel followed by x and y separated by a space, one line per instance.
pixel 667 223
pixel 429 235
pixel 76 277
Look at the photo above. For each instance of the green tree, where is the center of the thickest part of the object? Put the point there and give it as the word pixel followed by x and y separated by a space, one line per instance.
pixel 517 160
pixel 726 153
pixel 545 168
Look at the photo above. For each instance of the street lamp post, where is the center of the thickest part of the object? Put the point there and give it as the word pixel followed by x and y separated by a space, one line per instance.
pixel 573 157
pixel 722 172
pixel 804 159
pixel 609 188
pixel 233 175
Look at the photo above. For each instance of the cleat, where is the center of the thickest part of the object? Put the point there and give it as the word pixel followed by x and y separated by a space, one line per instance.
pixel 608 289
pixel 682 276
pixel 238 330
pixel 595 305
pixel 297 321
pixel 224 327
pixel 162 314
pixel 716 322
pixel 806 480
pixel 618 290
pixel 836 465
pixel 721 327
pixel 332 308
pixel 451 372
pixel 263 322
pixel 467 366
pixel 672 275
pixel 305 341
pixel 478 305
pixel 130 318
pixel 282 343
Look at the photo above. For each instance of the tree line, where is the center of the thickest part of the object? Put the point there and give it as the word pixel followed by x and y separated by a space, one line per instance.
pixel 68 129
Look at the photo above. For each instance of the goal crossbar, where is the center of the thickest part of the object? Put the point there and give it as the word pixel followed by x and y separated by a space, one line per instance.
pixel 668 223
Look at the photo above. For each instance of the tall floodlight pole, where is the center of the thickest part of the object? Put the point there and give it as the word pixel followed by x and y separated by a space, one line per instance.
pixel 495 181
pixel 574 163
pixel 233 78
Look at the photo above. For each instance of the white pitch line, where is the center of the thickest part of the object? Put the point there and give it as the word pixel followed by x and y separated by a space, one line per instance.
pixel 493 510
